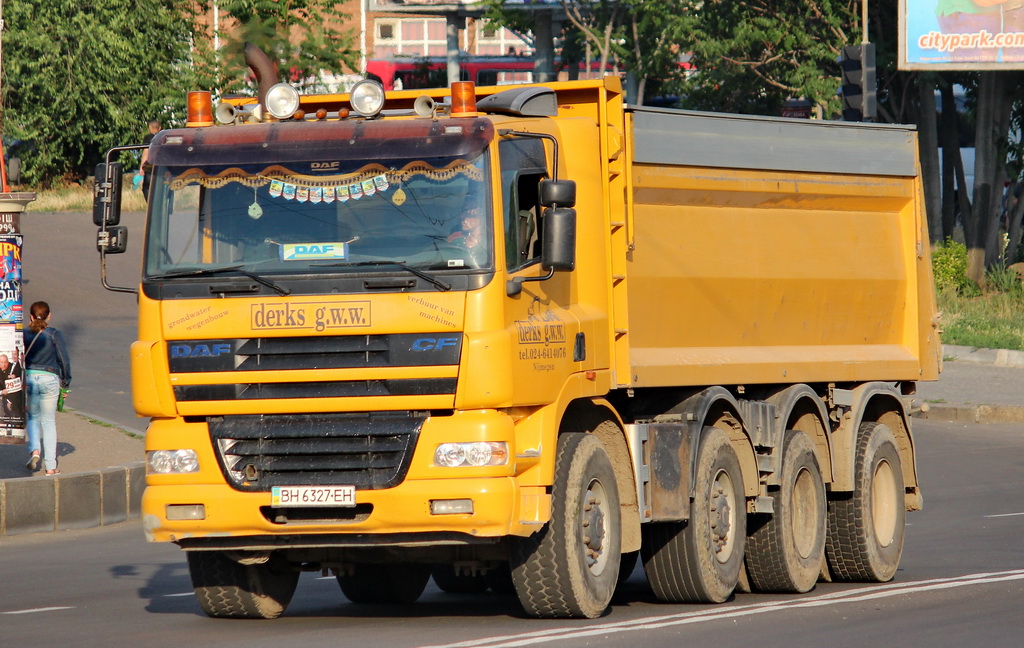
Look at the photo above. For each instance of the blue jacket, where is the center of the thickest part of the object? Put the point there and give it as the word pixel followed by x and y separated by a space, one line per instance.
pixel 48 353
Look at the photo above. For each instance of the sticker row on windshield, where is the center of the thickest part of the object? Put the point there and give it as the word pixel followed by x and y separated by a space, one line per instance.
pixel 328 194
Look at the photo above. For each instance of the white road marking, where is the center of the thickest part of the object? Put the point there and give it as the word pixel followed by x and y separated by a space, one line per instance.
pixel 1003 515
pixel 653 623
pixel 34 610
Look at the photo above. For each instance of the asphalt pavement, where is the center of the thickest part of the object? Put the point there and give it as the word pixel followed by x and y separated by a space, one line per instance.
pixel 976 385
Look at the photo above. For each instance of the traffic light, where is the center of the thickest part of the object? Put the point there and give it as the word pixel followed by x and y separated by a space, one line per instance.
pixel 859 86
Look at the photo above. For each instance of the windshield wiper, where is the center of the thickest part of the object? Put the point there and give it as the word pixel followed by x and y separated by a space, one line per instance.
pixel 201 272
pixel 401 264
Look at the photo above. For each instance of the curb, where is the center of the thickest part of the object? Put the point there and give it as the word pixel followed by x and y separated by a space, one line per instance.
pixel 972 413
pixel 74 501
pixel 994 357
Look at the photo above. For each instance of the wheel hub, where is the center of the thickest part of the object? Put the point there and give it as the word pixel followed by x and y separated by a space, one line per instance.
pixel 721 517
pixel 593 523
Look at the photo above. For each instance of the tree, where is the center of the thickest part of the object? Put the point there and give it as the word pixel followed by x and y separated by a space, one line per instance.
pixel 752 56
pixel 79 78
pixel 303 36
pixel 642 36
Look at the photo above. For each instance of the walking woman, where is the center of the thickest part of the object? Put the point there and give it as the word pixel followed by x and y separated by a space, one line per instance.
pixel 48 370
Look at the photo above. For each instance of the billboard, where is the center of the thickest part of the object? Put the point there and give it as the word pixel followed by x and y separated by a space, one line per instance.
pixel 12 345
pixel 961 35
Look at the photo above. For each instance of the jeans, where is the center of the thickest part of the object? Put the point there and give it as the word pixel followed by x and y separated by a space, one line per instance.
pixel 43 390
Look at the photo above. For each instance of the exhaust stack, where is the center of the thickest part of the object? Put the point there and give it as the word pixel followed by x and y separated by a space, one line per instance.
pixel 263 69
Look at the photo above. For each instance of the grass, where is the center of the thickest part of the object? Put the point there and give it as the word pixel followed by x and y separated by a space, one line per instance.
pixel 988 321
pixel 76 197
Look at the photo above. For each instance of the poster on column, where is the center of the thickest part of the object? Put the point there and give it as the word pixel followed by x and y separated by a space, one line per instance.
pixel 12 345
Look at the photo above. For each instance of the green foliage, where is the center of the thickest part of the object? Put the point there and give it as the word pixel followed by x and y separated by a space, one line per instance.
pixel 80 78
pixel 993 321
pixel 949 265
pixel 302 36
pixel 753 56
pixel 1000 277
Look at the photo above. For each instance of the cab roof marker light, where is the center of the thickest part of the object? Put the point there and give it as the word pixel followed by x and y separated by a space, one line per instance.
pixel 367 98
pixel 464 99
pixel 200 109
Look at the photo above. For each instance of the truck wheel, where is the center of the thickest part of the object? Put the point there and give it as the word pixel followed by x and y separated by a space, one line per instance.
pixel 699 561
pixel 228 589
pixel 448 580
pixel 785 553
pixel 401 583
pixel 866 529
pixel 570 567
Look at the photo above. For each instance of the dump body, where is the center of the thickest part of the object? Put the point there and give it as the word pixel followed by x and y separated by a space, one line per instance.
pixel 771 250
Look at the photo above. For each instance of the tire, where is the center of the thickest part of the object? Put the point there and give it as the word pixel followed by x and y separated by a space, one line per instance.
pixel 784 554
pixel 390 583
pixel 228 589
pixel 448 580
pixel 14 171
pixel 866 529
pixel 699 561
pixel 570 568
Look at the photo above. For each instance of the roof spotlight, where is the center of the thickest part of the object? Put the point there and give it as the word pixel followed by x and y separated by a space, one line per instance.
pixel 282 101
pixel 367 98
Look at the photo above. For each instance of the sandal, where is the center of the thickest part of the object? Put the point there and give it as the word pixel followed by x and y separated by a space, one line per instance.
pixel 33 462
pixel 51 473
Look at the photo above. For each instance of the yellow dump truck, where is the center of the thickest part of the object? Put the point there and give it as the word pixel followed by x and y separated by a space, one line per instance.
pixel 521 337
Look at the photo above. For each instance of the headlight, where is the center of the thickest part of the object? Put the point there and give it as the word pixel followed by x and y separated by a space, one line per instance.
pixel 367 98
pixel 165 462
pixel 480 453
pixel 282 100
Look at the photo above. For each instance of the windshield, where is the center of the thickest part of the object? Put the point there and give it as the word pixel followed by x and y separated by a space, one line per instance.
pixel 320 217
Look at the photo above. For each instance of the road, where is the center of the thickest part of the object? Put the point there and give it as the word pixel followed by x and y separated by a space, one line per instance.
pixel 961 584
pixel 61 267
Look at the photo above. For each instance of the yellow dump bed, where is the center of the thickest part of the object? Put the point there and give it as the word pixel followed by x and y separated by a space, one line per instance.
pixel 770 250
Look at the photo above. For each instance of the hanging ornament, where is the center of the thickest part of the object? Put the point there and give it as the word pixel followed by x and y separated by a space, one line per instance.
pixel 255 211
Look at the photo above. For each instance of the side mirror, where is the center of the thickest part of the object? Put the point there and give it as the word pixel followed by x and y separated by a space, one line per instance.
pixel 559 251
pixel 106 202
pixel 112 240
pixel 561 193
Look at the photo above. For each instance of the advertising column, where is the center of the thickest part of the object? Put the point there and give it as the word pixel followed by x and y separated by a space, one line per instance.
pixel 12 346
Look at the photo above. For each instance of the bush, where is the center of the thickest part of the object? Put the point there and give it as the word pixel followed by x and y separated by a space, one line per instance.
pixel 949 264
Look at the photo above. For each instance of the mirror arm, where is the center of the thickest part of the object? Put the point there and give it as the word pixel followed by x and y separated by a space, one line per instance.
pixel 508 132
pixel 514 286
pixel 103 277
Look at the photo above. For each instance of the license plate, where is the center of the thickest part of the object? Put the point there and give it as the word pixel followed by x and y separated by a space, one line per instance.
pixel 312 496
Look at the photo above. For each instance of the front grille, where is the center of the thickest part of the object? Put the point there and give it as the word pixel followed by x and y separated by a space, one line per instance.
pixel 238 358
pixel 337 389
pixel 367 450
pixel 314 352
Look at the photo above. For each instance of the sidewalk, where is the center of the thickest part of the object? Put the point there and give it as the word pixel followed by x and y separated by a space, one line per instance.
pixel 976 385
pixel 101 481
pixel 103 476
